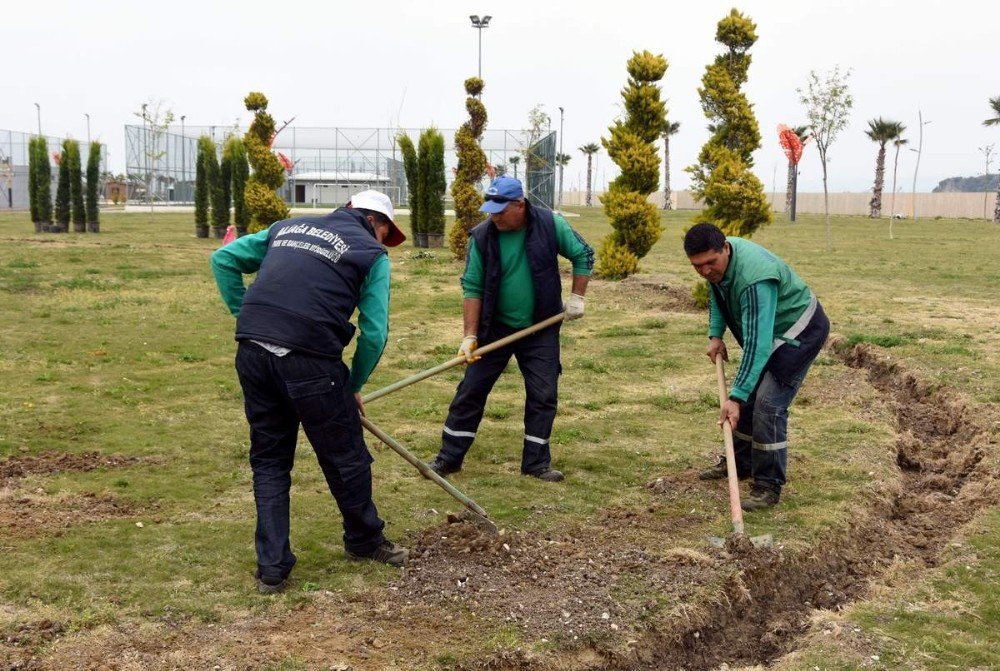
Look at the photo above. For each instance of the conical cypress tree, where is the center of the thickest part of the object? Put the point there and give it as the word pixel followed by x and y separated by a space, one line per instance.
pixel 33 182
pixel 77 207
pixel 733 196
pixel 93 182
pixel 632 146
pixel 62 191
pixel 241 171
pixel 201 187
pixel 436 187
pixel 220 196
pixel 43 185
pixel 410 169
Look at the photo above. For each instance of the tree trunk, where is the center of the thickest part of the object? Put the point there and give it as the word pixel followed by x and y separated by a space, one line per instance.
pixel 892 206
pixel 667 202
pixel 876 201
pixel 590 159
pixel 789 188
pixel 826 208
pixel 996 209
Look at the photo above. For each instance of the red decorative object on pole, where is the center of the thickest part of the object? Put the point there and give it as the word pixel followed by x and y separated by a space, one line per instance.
pixel 792 146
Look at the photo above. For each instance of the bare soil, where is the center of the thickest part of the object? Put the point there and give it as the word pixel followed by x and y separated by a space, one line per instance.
pixel 603 594
pixel 54 461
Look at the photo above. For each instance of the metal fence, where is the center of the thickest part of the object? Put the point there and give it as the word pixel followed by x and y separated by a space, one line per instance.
pixel 326 163
pixel 14 165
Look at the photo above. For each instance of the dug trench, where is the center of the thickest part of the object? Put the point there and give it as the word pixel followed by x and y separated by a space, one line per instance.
pixel 762 610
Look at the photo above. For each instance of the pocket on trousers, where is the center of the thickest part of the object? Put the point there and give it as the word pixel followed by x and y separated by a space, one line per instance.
pixel 317 400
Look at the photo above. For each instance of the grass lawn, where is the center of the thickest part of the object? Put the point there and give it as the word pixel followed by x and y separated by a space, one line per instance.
pixel 116 350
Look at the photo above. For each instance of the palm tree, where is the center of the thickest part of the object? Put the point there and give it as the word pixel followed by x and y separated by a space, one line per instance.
pixel 804 135
pixel 561 161
pixel 881 132
pixel 995 121
pixel 514 160
pixel 589 150
pixel 898 142
pixel 668 130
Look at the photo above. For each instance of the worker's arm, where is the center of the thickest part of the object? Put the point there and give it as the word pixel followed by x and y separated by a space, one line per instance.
pixel 757 308
pixel 242 256
pixel 373 322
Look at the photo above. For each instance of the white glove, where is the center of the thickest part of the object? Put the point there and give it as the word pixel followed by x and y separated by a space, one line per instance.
pixel 469 344
pixel 574 307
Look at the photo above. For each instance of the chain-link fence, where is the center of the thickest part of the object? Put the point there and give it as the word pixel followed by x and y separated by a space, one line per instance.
pixel 323 165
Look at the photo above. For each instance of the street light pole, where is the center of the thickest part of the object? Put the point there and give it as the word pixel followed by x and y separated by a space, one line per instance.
pixel 920 148
pixel 561 163
pixel 183 157
pixel 39 109
pixel 479 24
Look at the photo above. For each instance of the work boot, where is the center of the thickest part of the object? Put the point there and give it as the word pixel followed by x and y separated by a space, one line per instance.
pixel 761 496
pixel 719 472
pixel 387 552
pixel 547 475
pixel 442 467
pixel 270 584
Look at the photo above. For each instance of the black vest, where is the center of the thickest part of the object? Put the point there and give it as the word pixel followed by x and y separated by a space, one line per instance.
pixel 542 249
pixel 309 283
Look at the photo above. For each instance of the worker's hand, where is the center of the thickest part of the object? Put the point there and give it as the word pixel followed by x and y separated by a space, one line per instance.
pixel 730 412
pixel 468 346
pixel 574 307
pixel 359 402
pixel 716 346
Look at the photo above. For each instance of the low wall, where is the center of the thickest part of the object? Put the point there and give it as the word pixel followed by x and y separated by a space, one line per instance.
pixel 949 205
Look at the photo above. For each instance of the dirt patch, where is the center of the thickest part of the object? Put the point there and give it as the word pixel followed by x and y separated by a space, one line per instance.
pixel 55 461
pixel 603 593
pixel 661 291
pixel 34 515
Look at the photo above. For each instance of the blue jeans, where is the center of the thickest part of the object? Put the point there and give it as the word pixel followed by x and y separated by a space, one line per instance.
pixel 279 394
pixel 538 358
pixel 761 436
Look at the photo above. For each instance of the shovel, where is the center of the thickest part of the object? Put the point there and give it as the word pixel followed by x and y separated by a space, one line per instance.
pixel 475 513
pixel 734 485
pixel 451 363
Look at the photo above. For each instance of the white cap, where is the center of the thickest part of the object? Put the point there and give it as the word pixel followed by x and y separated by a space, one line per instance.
pixel 377 201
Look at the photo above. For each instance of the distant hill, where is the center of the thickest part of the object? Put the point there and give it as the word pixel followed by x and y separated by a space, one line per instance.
pixel 967 184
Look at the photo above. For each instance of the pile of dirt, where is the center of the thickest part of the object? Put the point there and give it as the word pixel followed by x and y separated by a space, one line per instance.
pixel 56 461
pixel 549 586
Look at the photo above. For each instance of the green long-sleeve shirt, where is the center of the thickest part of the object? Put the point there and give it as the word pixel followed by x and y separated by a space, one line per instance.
pixel 244 256
pixel 758 305
pixel 516 300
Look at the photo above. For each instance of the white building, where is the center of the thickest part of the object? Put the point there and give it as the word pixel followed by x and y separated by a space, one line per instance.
pixel 332 188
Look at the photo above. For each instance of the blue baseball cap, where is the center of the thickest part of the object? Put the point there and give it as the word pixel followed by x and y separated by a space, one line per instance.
pixel 502 191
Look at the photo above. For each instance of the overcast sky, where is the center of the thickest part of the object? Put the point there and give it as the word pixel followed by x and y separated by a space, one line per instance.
pixel 365 63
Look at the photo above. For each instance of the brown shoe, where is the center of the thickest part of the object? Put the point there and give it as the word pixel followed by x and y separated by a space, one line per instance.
pixel 761 496
pixel 719 471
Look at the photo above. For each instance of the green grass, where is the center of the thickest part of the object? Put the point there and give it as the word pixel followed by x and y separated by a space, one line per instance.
pixel 119 343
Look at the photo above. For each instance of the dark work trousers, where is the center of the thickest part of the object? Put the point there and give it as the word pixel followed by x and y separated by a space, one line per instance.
pixel 538 358
pixel 761 436
pixel 280 393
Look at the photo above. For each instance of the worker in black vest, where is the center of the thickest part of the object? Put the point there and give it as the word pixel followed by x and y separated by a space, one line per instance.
pixel 512 281
pixel 292 325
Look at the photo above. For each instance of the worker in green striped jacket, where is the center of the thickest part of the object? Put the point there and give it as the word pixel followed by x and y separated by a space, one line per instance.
pixel 776 319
